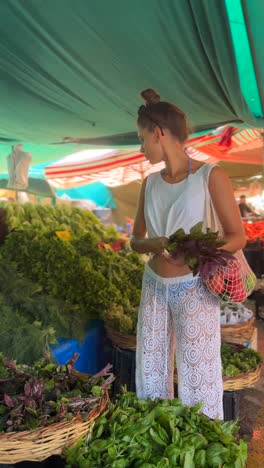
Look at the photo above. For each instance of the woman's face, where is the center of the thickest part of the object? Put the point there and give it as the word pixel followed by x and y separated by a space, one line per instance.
pixel 151 145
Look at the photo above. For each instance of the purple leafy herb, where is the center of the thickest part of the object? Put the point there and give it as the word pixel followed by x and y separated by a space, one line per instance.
pixel 8 401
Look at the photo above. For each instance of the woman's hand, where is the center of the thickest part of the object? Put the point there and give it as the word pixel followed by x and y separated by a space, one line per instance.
pixel 154 245
pixel 179 262
pixel 157 245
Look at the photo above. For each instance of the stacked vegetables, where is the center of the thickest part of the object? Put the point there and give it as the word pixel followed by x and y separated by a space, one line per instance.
pixel 33 397
pixel 30 318
pixel 235 361
pixel 161 433
pixel 254 231
pixel 45 218
pixel 82 279
pixel 123 321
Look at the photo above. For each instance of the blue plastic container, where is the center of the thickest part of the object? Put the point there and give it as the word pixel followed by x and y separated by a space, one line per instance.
pixel 93 352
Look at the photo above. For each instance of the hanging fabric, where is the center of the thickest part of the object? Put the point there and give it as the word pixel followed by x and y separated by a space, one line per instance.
pixel 18 163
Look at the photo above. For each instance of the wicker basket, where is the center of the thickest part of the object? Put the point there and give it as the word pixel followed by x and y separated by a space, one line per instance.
pixel 243 380
pixel 122 341
pixel 238 333
pixel 51 440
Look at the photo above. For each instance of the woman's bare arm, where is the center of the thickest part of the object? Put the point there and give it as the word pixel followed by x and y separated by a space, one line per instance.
pixel 139 243
pixel 223 199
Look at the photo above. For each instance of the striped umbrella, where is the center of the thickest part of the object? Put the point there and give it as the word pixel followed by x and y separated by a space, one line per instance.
pixel 121 167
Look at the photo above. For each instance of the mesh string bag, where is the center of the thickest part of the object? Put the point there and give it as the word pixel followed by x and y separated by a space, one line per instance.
pixel 234 281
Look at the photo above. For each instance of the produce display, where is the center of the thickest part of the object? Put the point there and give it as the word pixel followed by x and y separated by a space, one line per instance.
pixel 220 269
pixel 158 434
pixel 234 313
pixel 46 218
pixel 75 270
pixel 123 321
pixel 37 396
pixel 30 318
pixel 235 361
pixel 60 267
pixel 254 231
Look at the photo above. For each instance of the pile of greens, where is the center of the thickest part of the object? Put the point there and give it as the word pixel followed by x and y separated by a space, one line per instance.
pixel 77 271
pixel 37 396
pixel 123 321
pixel 157 434
pixel 236 361
pixel 46 218
pixel 51 286
pixel 31 319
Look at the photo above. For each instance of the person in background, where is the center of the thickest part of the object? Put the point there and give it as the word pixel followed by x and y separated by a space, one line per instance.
pixel 245 210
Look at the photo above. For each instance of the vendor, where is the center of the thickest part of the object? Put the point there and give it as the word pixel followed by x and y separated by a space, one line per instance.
pixel 245 210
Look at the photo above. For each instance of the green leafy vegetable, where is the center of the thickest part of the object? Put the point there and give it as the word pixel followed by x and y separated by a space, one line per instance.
pixel 145 433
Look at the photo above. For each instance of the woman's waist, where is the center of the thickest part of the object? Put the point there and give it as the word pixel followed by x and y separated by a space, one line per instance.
pixel 166 269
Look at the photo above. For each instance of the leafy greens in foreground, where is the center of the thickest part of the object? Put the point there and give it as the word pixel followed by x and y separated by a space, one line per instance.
pixel 157 434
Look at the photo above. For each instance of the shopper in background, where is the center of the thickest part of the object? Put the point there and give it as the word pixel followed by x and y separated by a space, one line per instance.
pixel 245 210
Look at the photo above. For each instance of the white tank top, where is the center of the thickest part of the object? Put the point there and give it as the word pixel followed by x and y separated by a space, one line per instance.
pixel 169 207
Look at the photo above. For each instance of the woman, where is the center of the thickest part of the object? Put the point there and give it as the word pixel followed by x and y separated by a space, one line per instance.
pixel 174 304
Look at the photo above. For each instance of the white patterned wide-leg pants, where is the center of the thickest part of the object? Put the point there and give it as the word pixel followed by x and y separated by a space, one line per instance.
pixel 184 309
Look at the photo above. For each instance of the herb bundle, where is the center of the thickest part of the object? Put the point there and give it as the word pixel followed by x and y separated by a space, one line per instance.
pixel 201 250
pixel 37 396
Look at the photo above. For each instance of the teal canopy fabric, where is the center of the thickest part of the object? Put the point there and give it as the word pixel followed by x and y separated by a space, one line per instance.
pixel 41 153
pixel 96 192
pixel 245 18
pixel 74 68
pixel 254 15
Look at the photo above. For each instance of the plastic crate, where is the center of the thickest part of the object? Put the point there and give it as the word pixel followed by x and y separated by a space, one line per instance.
pixel 231 405
pixel 124 366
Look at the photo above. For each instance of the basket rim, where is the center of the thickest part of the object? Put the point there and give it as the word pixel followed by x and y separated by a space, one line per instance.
pixel 232 380
pixel 115 332
pixel 238 378
pixel 242 375
pixel 58 425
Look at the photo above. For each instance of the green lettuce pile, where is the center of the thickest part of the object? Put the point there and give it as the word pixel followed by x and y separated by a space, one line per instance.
pixel 235 361
pixel 77 273
pixel 158 434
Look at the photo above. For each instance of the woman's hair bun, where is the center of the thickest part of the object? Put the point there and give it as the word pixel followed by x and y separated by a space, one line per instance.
pixel 150 96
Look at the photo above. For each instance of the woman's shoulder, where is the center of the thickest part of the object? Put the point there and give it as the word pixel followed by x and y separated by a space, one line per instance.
pixel 152 178
pixel 204 169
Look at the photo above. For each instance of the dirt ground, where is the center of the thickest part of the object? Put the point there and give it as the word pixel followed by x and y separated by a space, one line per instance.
pixel 251 413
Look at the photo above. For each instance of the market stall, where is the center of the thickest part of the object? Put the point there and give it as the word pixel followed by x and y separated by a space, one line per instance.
pixel 70 77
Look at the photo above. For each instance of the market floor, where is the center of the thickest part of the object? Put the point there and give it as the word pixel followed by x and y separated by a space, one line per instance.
pixel 251 413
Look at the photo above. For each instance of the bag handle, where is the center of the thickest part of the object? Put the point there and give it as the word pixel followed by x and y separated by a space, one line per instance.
pixel 211 218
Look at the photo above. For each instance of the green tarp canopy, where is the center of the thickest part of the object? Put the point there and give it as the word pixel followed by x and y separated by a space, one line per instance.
pixel 74 68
